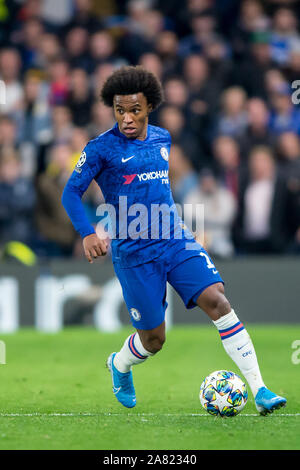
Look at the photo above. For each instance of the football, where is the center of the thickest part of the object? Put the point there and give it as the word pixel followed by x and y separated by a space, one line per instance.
pixel 223 393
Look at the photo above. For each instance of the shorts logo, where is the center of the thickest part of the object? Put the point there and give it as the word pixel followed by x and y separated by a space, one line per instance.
pixel 164 153
pixel 81 160
pixel 135 314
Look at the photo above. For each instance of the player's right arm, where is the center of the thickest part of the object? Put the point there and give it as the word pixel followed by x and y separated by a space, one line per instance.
pixel 88 167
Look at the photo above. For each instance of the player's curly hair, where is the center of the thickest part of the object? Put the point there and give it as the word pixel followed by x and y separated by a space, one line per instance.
pixel 129 80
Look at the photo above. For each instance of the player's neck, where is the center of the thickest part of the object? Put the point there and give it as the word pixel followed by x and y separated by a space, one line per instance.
pixel 143 135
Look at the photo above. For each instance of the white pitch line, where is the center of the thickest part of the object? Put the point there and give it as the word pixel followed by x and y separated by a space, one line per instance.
pixel 149 415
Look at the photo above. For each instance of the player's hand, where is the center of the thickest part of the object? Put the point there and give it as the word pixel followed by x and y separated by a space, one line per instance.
pixel 94 247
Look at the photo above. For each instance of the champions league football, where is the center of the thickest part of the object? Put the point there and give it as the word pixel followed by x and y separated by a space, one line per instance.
pixel 223 393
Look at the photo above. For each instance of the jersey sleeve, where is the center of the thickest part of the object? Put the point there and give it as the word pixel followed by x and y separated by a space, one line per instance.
pixel 87 168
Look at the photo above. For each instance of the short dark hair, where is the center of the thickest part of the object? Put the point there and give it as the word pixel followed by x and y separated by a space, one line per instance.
pixel 129 80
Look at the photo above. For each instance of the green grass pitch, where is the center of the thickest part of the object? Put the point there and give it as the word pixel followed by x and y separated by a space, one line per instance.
pixel 56 393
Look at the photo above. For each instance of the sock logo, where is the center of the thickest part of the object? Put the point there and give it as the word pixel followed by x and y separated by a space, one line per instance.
pixel 247 353
pixel 242 347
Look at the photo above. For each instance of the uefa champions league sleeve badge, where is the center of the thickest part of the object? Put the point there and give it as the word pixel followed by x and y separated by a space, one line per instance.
pixel 81 162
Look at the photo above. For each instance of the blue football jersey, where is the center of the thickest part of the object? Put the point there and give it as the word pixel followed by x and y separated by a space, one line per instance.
pixel 133 177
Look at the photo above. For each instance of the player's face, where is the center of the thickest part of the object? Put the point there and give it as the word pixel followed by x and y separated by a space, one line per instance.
pixel 131 113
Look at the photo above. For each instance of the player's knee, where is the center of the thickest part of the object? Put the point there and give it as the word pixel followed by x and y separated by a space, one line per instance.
pixel 217 303
pixel 154 344
pixel 223 307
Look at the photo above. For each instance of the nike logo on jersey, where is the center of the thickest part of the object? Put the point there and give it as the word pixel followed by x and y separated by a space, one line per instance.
pixel 124 160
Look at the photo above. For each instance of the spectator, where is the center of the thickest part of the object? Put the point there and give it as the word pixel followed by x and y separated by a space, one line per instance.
pixel 137 9
pixel 34 119
pixel 61 124
pixel 77 48
pixel 252 19
pixel 101 120
pixel 31 9
pixel 203 94
pixel 49 49
pixel 293 66
pixel 101 73
pixel 84 17
pixel 196 73
pixel 284 116
pixel 79 139
pixel 166 46
pixel 10 68
pixel 219 212
pixel 284 34
pixel 8 132
pixel 56 13
pixel 182 175
pixel 233 118
pixel 152 24
pixel 203 27
pixel 289 152
pixel 56 232
pixel 103 49
pixel 176 92
pixel 289 149
pixel 257 131
pixel 143 26
pixel 172 118
pixel 152 62
pixel 220 65
pixel 17 200
pixel 59 75
pixel 32 33
pixel 80 98
pixel 250 73
pixel 274 80
pixel 260 225
pixel 227 162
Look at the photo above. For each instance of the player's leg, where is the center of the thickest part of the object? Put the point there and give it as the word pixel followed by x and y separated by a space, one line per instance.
pixel 238 345
pixel 198 283
pixel 144 290
pixel 235 339
pixel 139 346
pixel 154 339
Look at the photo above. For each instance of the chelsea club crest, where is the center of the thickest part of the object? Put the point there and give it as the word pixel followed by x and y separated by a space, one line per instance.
pixel 164 153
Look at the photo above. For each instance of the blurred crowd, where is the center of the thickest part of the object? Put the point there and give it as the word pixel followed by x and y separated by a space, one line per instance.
pixel 229 70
